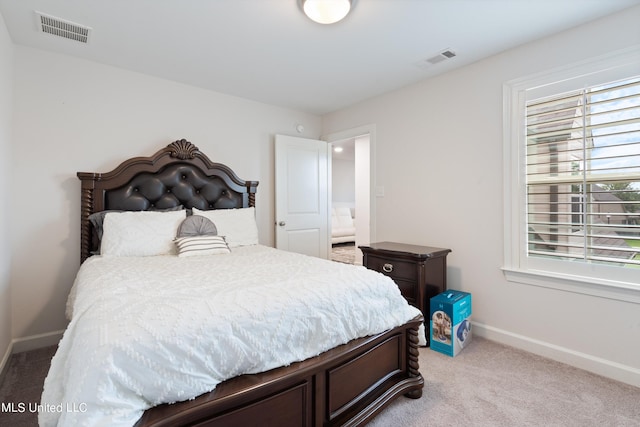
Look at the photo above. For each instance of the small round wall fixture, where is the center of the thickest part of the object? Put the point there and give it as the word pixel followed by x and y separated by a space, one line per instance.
pixel 326 11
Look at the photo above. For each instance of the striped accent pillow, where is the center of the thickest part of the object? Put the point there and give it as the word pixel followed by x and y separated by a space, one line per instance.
pixel 201 245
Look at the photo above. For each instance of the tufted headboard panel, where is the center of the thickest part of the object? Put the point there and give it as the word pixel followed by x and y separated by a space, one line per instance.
pixel 179 174
pixel 177 184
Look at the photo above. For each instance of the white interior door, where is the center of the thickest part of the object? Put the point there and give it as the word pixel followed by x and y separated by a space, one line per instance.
pixel 302 195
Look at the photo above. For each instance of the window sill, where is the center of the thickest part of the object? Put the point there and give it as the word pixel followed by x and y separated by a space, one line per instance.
pixel 610 289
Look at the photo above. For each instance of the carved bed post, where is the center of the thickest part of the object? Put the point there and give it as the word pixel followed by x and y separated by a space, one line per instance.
pixel 252 195
pixel 412 360
pixel 86 209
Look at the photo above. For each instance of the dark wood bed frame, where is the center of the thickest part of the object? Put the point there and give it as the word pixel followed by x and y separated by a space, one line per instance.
pixel 345 386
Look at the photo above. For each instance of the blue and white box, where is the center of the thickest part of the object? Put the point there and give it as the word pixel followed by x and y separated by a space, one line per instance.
pixel 450 322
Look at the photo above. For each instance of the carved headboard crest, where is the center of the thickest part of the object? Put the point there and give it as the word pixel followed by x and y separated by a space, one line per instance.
pixel 183 149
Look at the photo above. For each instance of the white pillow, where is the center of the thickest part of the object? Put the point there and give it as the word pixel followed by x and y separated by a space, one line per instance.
pixel 201 245
pixel 238 226
pixel 140 233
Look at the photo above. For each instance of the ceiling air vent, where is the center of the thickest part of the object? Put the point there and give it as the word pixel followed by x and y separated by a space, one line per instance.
pixel 62 28
pixel 442 56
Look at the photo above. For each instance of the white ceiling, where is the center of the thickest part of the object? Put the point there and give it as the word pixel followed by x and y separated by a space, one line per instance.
pixel 268 51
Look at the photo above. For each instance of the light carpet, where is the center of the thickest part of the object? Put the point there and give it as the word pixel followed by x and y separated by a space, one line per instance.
pixel 492 385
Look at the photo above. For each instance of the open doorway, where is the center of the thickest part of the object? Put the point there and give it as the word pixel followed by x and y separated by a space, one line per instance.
pixel 350 201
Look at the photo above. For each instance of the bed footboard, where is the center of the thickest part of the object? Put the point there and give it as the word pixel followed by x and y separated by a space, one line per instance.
pixel 345 386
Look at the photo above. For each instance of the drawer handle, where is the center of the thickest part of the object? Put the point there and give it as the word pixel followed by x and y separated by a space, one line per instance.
pixel 387 268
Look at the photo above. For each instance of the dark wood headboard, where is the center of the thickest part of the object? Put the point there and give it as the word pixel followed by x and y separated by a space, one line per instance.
pixel 177 175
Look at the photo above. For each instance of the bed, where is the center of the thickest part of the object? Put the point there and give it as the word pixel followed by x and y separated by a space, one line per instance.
pixel 148 338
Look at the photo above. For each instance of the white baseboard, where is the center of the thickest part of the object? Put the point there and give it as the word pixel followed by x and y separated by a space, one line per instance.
pixel 603 367
pixel 32 342
pixel 5 360
pixel 35 342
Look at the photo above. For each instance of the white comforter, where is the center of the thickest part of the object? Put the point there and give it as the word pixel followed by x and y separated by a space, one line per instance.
pixel 152 330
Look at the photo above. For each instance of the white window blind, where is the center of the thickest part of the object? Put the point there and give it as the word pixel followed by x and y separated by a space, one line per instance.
pixel 583 175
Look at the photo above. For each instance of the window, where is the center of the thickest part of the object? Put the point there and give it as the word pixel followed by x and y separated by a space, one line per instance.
pixel 572 177
pixel 583 174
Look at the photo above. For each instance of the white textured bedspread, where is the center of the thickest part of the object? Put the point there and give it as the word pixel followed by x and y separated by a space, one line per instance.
pixel 152 330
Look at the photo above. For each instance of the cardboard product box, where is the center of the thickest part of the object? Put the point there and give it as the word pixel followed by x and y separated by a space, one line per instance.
pixel 450 322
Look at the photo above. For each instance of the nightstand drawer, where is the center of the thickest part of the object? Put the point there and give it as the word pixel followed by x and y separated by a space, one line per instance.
pixel 393 268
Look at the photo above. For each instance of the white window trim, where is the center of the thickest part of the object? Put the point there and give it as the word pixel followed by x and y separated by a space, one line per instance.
pixel 601 281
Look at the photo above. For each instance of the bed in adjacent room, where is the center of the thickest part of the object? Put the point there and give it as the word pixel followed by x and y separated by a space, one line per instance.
pixel 178 316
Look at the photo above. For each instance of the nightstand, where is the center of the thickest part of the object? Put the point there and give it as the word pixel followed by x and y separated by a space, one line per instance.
pixel 419 271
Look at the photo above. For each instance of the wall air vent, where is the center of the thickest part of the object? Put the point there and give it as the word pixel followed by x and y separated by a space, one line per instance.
pixel 62 28
pixel 442 56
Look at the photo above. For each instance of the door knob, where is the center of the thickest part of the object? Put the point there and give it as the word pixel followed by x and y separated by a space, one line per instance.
pixel 282 223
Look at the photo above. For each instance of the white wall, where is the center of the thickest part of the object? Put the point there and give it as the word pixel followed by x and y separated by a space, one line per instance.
pixel 439 152
pixel 6 69
pixel 363 193
pixel 73 115
pixel 343 182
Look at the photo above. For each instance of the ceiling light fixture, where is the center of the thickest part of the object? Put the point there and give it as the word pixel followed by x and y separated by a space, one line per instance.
pixel 326 11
